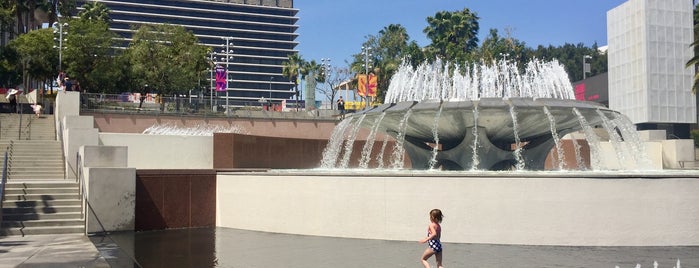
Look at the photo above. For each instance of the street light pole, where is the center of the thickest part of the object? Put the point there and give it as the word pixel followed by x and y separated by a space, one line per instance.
pixel 58 29
pixel 586 66
pixel 504 56
pixel 211 79
pixel 326 75
pixel 229 51
pixel 366 50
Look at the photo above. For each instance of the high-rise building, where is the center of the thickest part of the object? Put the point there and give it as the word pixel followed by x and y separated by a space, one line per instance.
pixel 261 35
pixel 649 45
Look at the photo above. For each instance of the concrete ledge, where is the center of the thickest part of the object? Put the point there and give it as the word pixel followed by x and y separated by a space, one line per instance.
pixel 626 210
pixel 163 151
pixel 112 196
pixel 104 156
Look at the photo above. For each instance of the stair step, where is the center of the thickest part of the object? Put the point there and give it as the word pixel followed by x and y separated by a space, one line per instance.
pixel 37 148
pixel 53 190
pixel 38 178
pixel 43 223
pixel 39 197
pixel 41 203
pixel 36 166
pixel 40 210
pixel 34 216
pixel 43 184
pixel 43 230
pixel 22 170
pixel 43 150
pixel 29 142
pixel 34 170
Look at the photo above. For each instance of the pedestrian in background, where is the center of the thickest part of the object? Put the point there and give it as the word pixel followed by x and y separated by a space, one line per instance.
pixel 341 107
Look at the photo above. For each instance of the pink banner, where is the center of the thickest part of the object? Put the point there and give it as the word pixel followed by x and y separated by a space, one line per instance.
pixel 220 78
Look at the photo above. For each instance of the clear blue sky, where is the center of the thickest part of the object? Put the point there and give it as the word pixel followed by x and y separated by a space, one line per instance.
pixel 336 29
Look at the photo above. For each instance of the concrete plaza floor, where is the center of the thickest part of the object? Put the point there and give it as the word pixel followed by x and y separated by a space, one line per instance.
pixel 225 247
pixel 67 250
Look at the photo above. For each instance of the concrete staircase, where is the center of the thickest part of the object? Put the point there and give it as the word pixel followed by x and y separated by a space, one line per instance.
pixel 51 207
pixel 38 199
pixel 32 160
pixel 26 127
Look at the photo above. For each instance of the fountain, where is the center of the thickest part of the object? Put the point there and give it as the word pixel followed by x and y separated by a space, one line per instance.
pixel 472 121
pixel 486 117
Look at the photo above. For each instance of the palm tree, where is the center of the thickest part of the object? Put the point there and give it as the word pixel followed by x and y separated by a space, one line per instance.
pixel 315 71
pixel 59 7
pixel 292 69
pixel 453 34
pixel 95 11
pixel 7 19
pixel 394 39
pixel 24 12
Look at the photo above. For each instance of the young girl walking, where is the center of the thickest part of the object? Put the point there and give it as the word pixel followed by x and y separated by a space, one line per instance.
pixel 434 233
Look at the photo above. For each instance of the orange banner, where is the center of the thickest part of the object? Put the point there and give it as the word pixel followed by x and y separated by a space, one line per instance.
pixel 362 85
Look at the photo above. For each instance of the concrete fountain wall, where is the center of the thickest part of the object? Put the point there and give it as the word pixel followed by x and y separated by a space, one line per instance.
pixel 575 209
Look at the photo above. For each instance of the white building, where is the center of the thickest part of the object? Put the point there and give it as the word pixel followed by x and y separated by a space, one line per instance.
pixel 649 45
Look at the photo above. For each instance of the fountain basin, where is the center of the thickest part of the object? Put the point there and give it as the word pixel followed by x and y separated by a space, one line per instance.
pixel 453 123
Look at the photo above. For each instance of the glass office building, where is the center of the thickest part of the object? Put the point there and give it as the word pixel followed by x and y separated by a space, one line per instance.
pixel 649 44
pixel 261 35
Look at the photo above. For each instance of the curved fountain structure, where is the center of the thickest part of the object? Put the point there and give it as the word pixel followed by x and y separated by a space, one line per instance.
pixel 486 117
pixel 496 138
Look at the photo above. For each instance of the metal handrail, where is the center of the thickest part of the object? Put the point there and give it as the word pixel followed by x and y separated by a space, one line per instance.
pixel 5 174
pixel 80 179
pixel 10 152
pixel 19 128
pixel 29 128
pixel 3 181
pixel 85 204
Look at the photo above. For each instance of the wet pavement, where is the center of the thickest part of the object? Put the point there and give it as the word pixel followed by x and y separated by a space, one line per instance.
pixel 225 247
pixel 67 250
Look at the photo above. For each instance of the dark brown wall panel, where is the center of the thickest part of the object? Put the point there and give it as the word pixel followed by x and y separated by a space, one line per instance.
pixel 175 199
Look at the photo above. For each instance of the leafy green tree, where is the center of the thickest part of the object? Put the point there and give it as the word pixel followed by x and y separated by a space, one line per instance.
pixel 7 19
pixel 10 74
pixel 89 57
pixel 454 35
pixel 414 53
pixel 36 55
pixel 26 11
pixel 333 77
pixel 167 58
pixel 61 8
pixel 571 57
pixel 496 47
pixel 388 49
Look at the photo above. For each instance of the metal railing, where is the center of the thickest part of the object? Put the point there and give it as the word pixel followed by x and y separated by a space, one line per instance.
pixel 24 131
pixel 183 105
pixel 80 179
pixel 2 185
pixel 5 174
